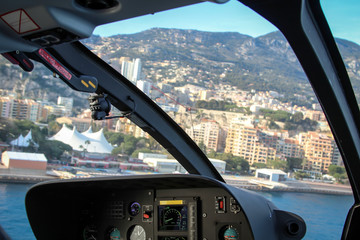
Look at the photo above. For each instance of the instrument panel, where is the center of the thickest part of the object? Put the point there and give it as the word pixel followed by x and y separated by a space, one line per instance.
pixel 155 207
pixel 167 214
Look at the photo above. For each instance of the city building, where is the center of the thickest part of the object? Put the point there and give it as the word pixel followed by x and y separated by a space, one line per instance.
pixel 24 160
pixel 131 69
pixel 315 115
pixel 243 140
pixel 163 165
pixel 209 133
pixel 67 103
pixel 318 151
pixel 144 86
pixel 336 158
pixel 20 109
pixel 274 175
pixel 289 147
pixel 205 94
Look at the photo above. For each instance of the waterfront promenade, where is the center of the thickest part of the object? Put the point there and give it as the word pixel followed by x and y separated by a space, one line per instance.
pixel 252 183
pixel 245 182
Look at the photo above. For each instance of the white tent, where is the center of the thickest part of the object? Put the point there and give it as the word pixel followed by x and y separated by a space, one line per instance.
pixel 24 141
pixel 92 142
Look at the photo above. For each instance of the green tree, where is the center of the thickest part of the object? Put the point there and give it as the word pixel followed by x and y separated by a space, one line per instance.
pixel 259 165
pixel 273 125
pixel 114 137
pixel 51 118
pixel 333 169
pixel 294 163
pixel 53 127
pixel 117 150
pixel 202 146
pixel 301 175
pixel 233 163
pixel 53 149
pixel 297 117
pixel 129 144
pixel 277 164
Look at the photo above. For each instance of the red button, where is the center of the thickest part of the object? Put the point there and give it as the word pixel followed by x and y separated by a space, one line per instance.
pixel 221 205
pixel 146 216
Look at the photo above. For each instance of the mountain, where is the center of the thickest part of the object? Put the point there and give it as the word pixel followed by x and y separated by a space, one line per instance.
pixel 208 58
pixel 189 56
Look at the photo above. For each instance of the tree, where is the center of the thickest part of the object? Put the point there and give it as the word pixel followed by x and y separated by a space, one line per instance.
pixel 114 137
pixel 53 149
pixel 129 145
pixel 259 165
pixel 202 146
pixel 53 127
pixel 117 150
pixel 273 125
pixel 51 118
pixel 333 169
pixel 301 175
pixel 277 164
pixel 297 117
pixel 233 163
pixel 294 163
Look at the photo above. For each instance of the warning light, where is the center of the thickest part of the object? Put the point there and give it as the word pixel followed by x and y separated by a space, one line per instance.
pixel 220 205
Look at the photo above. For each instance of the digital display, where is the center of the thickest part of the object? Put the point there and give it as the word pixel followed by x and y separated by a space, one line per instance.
pixel 173 218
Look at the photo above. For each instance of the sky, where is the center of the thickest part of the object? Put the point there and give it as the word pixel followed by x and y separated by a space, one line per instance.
pixel 343 17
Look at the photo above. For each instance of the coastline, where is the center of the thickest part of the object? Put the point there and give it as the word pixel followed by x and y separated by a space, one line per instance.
pixel 248 183
pixel 255 184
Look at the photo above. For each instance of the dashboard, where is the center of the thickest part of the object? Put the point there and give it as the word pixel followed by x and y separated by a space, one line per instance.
pixel 165 207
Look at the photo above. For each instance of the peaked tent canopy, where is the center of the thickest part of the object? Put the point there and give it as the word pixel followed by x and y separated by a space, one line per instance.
pixel 92 142
pixel 24 141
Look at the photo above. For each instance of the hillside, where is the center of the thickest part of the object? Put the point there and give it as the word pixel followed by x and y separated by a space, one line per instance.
pixel 208 58
pixel 188 56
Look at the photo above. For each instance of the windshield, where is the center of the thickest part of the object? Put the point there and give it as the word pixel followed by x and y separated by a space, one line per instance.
pixel 234 86
pixel 342 21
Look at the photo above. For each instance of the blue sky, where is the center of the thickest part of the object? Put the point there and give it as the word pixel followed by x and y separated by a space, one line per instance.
pixel 343 17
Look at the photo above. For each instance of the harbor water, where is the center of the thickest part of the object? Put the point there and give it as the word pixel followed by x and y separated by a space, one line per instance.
pixel 324 214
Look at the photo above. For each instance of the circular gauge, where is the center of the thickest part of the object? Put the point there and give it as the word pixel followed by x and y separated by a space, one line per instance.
pixel 90 233
pixel 137 232
pixel 230 233
pixel 114 234
pixel 172 217
pixel 134 209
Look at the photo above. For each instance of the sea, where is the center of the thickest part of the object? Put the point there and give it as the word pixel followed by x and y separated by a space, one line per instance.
pixel 324 214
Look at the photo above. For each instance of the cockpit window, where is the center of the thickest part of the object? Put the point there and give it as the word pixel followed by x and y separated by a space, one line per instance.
pixel 240 95
pixel 226 76
pixel 343 21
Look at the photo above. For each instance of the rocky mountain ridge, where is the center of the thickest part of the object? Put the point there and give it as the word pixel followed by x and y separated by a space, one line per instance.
pixel 179 57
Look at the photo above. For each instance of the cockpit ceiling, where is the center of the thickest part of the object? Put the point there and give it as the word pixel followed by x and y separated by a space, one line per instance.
pixel 27 25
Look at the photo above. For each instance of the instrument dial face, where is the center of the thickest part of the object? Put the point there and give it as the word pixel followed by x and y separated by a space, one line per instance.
pixel 137 232
pixel 90 233
pixel 134 209
pixel 114 234
pixel 172 217
pixel 231 233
